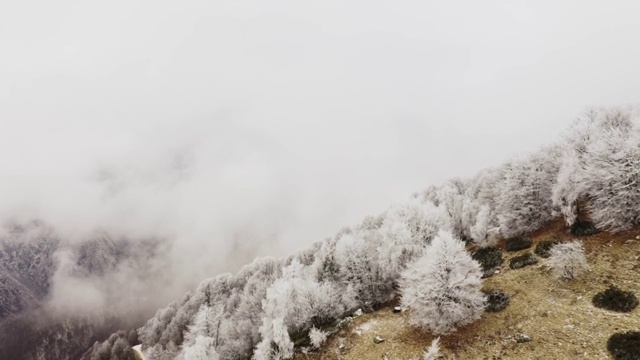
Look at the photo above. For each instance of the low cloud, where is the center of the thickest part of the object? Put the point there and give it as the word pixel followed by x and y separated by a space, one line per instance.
pixel 233 131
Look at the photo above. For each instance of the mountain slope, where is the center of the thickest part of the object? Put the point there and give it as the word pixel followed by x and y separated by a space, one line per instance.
pixel 27 264
pixel 268 309
pixel 557 315
pixel 32 258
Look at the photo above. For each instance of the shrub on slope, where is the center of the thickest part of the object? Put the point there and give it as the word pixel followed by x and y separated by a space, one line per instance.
pixel 567 259
pixel 615 299
pixel 625 345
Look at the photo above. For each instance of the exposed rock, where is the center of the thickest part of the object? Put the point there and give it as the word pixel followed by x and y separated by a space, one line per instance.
pixel 344 322
pixel 522 338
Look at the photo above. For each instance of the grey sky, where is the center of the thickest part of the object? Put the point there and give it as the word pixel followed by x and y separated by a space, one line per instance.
pixel 276 123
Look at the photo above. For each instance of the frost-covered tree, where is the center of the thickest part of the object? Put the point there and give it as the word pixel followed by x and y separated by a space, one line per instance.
pixel 441 289
pixel 239 295
pixel 405 232
pixel 470 205
pixel 481 231
pixel 524 201
pixel 567 259
pixel 601 170
pixel 433 352
pixel 152 332
pixel 162 352
pixel 201 349
pixel 482 187
pixel 613 204
pixel 276 344
pixel 451 196
pixel 565 191
pixel 240 328
pixel 294 303
pixel 206 324
pixel 358 266
pixel 171 324
pixel 317 337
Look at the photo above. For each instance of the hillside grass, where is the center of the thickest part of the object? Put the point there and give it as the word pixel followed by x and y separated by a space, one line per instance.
pixel 558 315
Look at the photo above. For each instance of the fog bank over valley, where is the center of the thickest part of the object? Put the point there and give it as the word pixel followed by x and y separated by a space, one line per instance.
pixel 184 140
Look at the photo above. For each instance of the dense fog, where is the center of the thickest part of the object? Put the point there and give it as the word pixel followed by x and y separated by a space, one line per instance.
pixel 191 138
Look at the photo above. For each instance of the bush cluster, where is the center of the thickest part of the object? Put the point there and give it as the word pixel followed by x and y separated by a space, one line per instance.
pixel 490 259
pixel 543 248
pixel 522 261
pixel 497 300
pixel 518 243
pixel 625 345
pixel 584 228
pixel 615 299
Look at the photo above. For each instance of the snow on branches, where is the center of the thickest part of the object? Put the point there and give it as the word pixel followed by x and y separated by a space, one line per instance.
pixel 567 260
pixel 441 289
